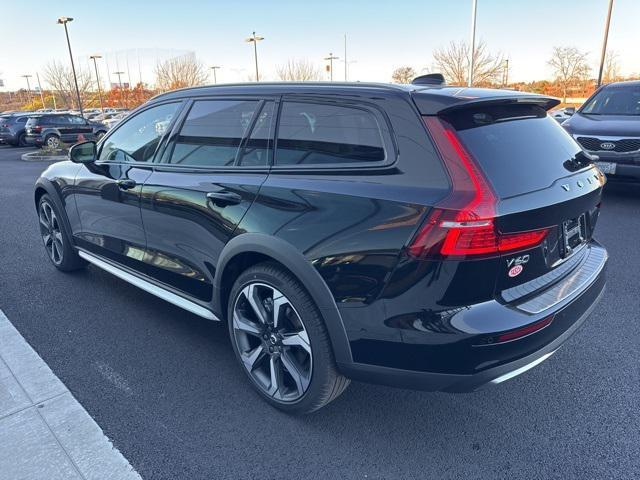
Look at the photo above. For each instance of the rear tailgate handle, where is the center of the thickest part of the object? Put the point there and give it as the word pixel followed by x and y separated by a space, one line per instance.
pixel 224 198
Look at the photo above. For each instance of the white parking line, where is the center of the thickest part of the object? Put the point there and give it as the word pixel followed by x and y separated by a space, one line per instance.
pixel 44 431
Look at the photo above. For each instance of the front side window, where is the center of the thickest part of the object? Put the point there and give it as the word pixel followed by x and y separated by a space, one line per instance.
pixel 324 134
pixel 212 132
pixel 77 120
pixel 137 139
pixel 614 100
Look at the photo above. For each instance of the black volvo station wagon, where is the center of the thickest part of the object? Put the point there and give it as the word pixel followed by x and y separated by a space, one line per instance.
pixel 421 236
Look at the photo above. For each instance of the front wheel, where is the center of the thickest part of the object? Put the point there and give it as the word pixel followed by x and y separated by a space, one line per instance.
pixel 56 241
pixel 281 342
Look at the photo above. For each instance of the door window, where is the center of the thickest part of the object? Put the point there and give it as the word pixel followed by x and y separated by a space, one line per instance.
pixel 324 134
pixel 213 132
pixel 77 120
pixel 137 139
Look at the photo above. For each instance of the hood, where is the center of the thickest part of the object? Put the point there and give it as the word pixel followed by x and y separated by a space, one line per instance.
pixel 603 125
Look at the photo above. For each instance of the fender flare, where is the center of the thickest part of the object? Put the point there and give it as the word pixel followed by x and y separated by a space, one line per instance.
pixel 54 194
pixel 289 256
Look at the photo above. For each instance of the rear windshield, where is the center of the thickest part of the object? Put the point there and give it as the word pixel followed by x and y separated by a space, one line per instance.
pixel 33 121
pixel 519 147
pixel 614 100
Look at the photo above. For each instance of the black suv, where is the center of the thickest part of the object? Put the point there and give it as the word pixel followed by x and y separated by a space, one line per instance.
pixel 52 129
pixel 608 125
pixel 12 129
pixel 419 236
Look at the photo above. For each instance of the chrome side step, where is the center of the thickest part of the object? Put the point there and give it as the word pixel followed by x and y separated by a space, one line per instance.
pixel 149 287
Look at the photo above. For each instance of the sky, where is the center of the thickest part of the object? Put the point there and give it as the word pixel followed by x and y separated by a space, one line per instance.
pixel 381 35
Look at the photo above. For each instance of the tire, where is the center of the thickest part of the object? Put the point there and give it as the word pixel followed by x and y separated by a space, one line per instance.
pixel 22 140
pixel 99 135
pixel 57 243
pixel 299 341
pixel 51 141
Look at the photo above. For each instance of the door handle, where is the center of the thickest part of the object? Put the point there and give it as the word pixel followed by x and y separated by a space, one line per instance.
pixel 126 183
pixel 224 198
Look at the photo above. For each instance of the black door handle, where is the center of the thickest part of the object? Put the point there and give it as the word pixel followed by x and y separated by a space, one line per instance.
pixel 224 198
pixel 126 183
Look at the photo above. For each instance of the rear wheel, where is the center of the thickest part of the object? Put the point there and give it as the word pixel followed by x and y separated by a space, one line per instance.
pixel 281 342
pixel 52 141
pixel 99 135
pixel 56 241
pixel 22 140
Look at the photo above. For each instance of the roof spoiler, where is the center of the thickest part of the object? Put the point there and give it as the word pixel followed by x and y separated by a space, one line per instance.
pixel 429 79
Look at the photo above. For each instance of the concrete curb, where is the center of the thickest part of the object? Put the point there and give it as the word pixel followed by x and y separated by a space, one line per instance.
pixel 34 157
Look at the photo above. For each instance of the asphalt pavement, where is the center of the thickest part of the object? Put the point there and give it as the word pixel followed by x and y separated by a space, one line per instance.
pixel 164 387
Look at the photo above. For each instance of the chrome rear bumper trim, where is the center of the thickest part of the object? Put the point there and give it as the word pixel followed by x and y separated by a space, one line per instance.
pixel 149 287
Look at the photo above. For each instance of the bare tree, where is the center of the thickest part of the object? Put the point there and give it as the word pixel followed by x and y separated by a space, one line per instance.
pixel 403 75
pixel 298 70
pixel 60 78
pixel 180 72
pixel 454 60
pixel 570 65
pixel 611 71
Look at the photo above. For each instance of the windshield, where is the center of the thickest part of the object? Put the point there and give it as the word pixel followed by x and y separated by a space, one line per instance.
pixel 614 100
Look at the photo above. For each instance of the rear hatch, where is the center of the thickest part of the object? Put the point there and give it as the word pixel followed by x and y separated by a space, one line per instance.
pixel 5 122
pixel 33 127
pixel 539 194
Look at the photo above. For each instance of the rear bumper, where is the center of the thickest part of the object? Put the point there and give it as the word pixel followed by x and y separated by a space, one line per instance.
pixel 34 140
pixel 492 364
pixel 7 138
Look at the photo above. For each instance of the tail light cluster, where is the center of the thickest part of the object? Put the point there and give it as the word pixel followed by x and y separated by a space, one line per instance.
pixel 36 129
pixel 463 224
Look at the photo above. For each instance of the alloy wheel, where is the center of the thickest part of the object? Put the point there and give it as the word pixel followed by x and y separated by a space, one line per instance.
pixel 53 142
pixel 51 233
pixel 272 342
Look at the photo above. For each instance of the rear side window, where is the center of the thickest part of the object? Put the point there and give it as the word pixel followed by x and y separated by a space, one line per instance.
pixel 326 134
pixel 519 147
pixel 213 131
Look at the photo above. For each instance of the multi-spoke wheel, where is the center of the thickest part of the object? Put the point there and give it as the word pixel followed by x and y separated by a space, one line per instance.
pixel 51 232
pixel 272 341
pixel 52 141
pixel 56 242
pixel 280 339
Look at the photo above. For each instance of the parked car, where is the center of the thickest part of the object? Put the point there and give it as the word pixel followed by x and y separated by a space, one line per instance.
pixel 12 129
pixel 52 129
pixel 608 125
pixel 115 119
pixel 430 238
pixel 562 114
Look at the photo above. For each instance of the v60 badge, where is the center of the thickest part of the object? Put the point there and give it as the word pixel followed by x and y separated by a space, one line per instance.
pixel 516 265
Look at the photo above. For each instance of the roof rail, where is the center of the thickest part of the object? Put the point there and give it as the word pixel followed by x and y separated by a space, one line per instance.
pixel 429 79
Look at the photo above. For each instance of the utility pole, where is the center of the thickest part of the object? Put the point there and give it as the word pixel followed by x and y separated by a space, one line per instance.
pixel 214 68
pixel 604 42
pixel 95 64
pixel 40 88
pixel 331 58
pixel 346 64
pixel 28 86
pixel 505 77
pixel 255 39
pixel 120 83
pixel 64 21
pixel 473 41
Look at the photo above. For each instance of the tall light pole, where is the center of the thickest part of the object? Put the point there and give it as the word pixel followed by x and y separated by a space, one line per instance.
pixel 255 39
pixel 95 65
pixel 331 58
pixel 214 68
pixel 346 64
pixel 604 42
pixel 40 88
pixel 28 86
pixel 64 21
pixel 473 41
pixel 120 83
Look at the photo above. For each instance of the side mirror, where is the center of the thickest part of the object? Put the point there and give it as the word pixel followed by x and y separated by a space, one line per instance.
pixel 84 152
pixel 570 110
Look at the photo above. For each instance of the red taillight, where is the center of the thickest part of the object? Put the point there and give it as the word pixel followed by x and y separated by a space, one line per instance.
pixel 463 223
pixel 36 129
pixel 524 331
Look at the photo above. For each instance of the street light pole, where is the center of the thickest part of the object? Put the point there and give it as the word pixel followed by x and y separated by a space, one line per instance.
pixel 331 58
pixel 346 64
pixel 473 41
pixel 604 43
pixel 64 21
pixel 120 83
pixel 94 58
pixel 28 86
pixel 40 88
pixel 255 39
pixel 214 68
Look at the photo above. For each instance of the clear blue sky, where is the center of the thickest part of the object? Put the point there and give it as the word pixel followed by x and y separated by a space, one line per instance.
pixel 382 35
